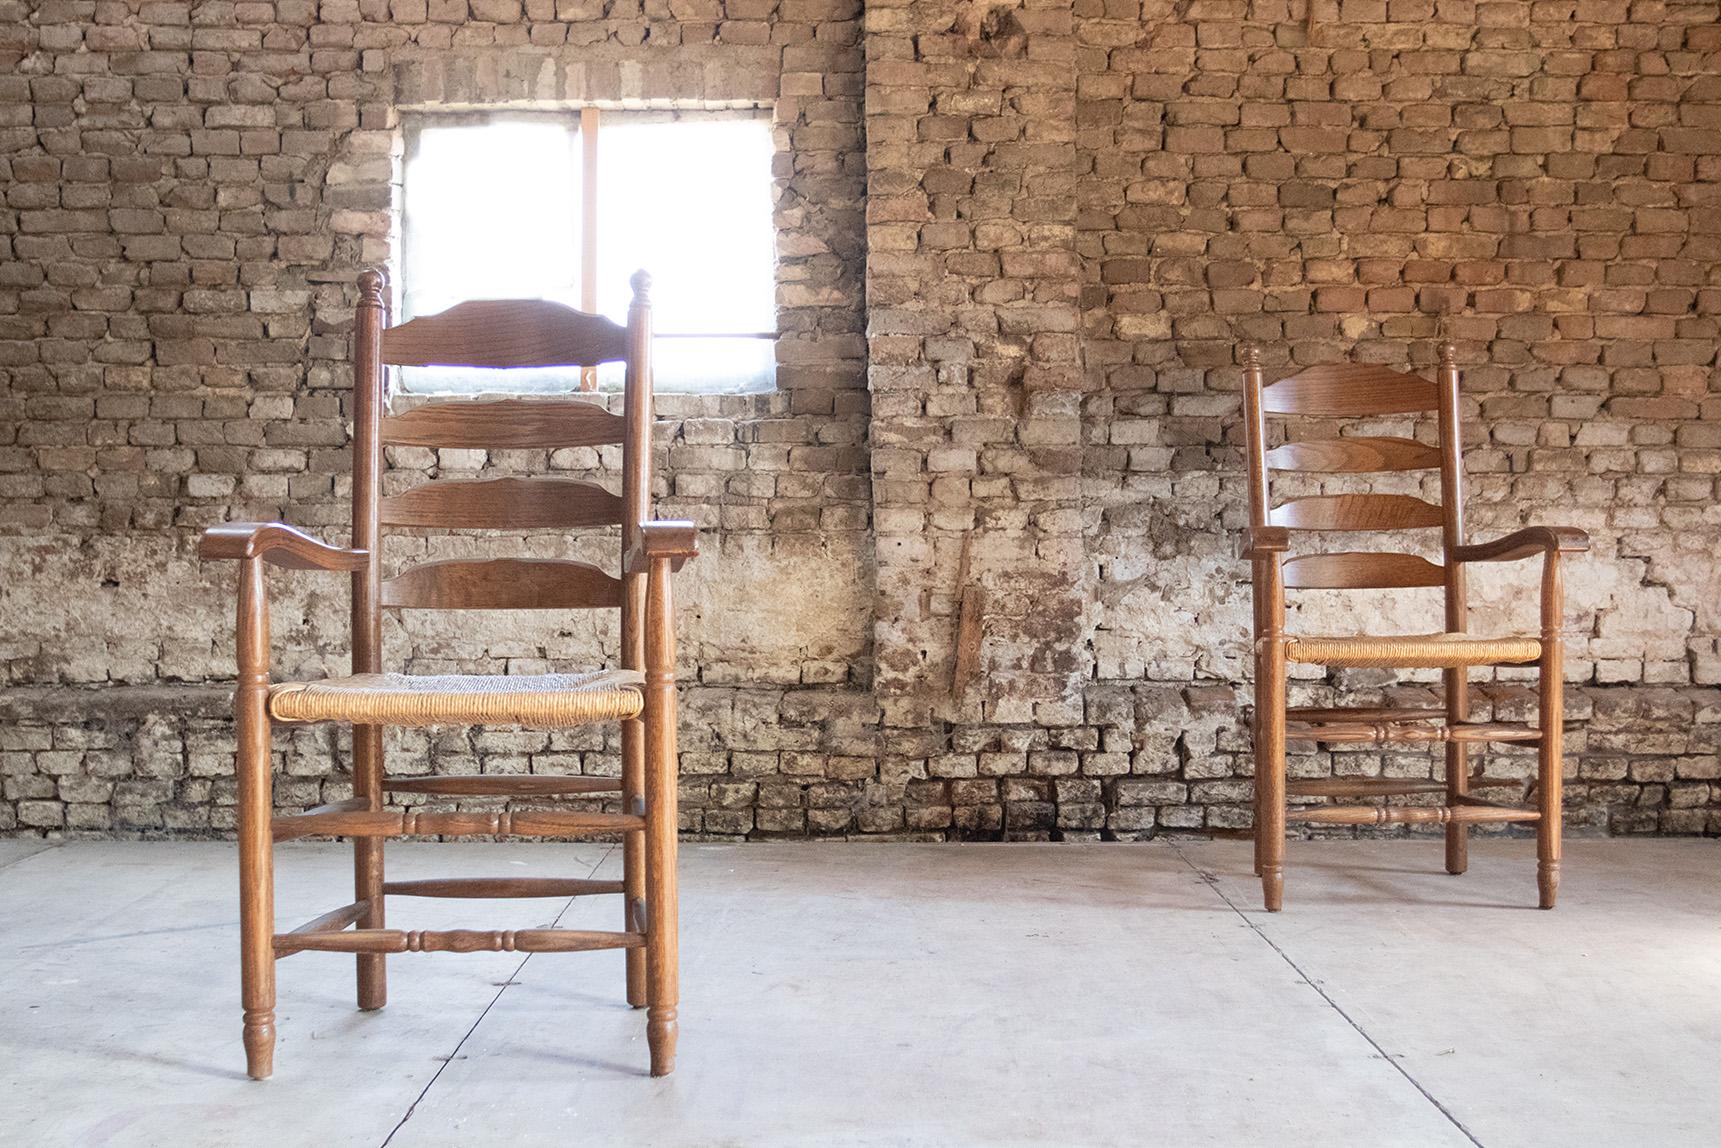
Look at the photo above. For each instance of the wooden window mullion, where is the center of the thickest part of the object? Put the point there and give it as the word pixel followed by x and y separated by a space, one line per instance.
pixel 589 227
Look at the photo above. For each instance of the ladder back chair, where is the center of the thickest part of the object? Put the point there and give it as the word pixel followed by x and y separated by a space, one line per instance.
pixel 640 695
pixel 1346 391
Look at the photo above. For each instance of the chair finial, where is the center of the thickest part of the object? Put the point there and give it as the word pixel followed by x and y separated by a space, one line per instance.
pixel 371 284
pixel 1448 353
pixel 1251 357
pixel 641 284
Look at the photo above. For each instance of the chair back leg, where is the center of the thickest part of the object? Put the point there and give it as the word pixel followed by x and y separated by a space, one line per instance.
pixel 1457 771
pixel 633 855
pixel 368 864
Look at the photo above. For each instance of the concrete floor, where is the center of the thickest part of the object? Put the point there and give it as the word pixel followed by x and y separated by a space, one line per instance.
pixel 894 995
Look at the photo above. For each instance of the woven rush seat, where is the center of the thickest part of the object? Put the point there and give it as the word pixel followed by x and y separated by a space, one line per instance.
pixel 1413 651
pixel 536 701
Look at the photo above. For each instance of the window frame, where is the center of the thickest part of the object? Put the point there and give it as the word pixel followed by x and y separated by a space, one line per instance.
pixel 583 125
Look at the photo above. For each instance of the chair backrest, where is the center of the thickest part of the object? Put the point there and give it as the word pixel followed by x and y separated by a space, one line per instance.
pixel 499 333
pixel 1357 391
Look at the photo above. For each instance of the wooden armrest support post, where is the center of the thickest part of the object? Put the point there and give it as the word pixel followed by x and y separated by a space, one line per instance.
pixel 661 548
pixel 254 545
pixel 671 540
pixel 1262 547
pixel 1552 543
pixel 278 544
pixel 1263 541
pixel 1526 543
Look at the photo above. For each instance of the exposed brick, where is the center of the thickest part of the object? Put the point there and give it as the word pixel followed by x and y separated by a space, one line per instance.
pixel 1015 261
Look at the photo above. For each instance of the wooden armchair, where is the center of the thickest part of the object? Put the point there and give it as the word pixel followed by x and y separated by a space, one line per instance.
pixel 1350 391
pixel 640 694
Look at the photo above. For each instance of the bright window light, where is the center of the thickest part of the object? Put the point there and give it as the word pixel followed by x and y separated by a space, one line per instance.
pixel 492 210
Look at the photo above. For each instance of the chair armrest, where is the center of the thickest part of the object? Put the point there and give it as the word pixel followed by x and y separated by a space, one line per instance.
pixel 279 544
pixel 674 540
pixel 1526 543
pixel 1260 541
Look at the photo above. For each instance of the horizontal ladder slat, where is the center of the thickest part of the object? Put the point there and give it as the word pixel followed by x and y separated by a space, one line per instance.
pixel 504 424
pixel 1362 454
pixel 1354 570
pixel 1409 814
pixel 1356 512
pixel 502 584
pixel 505 333
pixel 532 503
pixel 1349 390
pixel 456 941
pixel 1348 733
pixel 486 887
pixel 503 785
pixel 411 822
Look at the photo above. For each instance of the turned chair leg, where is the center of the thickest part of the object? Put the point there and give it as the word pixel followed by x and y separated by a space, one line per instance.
pixel 1550 781
pixel 368 864
pixel 662 926
pixel 1260 821
pixel 1457 785
pixel 256 843
pixel 633 856
pixel 662 934
pixel 256 913
pixel 1260 808
pixel 1270 776
pixel 1457 770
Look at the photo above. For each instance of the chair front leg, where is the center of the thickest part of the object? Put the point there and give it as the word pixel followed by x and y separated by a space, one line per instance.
pixel 1270 704
pixel 663 988
pixel 1271 699
pixel 1257 594
pixel 1256 740
pixel 1551 748
pixel 256 809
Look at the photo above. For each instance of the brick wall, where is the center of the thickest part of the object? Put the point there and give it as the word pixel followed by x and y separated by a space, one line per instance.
pixel 1019 242
pixel 1359 180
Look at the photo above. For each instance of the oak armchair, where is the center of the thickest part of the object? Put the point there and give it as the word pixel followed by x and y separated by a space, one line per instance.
pixel 640 694
pixel 1356 391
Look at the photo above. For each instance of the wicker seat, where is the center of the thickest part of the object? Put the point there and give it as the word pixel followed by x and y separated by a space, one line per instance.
pixel 1413 651
pixel 536 701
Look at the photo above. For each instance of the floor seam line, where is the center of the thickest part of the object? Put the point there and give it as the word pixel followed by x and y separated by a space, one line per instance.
pixel 507 983
pixel 1212 882
pixel 46 848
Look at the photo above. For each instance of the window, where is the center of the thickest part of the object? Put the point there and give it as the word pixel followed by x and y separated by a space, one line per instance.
pixel 493 207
